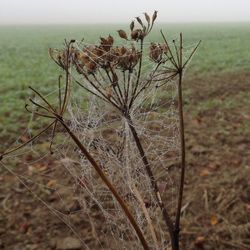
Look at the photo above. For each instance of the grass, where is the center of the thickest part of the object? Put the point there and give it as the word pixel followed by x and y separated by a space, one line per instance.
pixel 24 59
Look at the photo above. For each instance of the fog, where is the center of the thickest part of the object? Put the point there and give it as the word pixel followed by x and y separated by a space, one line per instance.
pixel 110 11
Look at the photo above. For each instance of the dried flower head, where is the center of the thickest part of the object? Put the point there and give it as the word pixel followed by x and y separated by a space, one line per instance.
pixel 127 58
pixel 106 43
pixel 156 51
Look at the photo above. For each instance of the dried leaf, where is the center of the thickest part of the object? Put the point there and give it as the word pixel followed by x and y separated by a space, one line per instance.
pixel 214 220
pixel 122 34
pixel 205 172
pixel 51 183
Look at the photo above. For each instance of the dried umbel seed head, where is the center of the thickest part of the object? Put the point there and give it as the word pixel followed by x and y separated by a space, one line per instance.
pixel 144 30
pixel 92 57
pixel 156 51
pixel 127 58
pixel 62 59
pixel 106 43
pixel 87 59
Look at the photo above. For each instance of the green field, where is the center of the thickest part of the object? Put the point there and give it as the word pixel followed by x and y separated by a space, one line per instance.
pixel 24 59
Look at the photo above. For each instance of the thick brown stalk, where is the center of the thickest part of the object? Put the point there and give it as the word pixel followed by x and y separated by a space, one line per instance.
pixel 182 141
pixel 153 182
pixel 183 163
pixel 107 183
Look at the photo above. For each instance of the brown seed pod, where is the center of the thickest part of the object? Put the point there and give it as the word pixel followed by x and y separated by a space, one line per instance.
pixel 139 21
pixel 122 34
pixel 154 16
pixel 132 25
pixel 147 17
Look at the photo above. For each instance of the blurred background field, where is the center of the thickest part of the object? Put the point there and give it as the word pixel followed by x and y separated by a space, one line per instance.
pixel 217 101
pixel 24 59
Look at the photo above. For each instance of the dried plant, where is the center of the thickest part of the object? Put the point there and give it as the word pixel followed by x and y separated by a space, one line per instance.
pixel 115 136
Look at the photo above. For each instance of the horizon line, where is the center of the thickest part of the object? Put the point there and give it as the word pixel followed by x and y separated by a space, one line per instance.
pixel 121 23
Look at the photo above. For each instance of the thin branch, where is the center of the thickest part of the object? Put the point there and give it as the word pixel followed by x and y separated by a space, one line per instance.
pixel 98 90
pixel 169 49
pixel 192 53
pixel 52 136
pixel 177 54
pixel 27 142
pixel 43 98
pixel 37 113
pixel 59 92
pixel 39 105
pixel 138 76
pixel 146 214
pixel 90 91
pixel 67 81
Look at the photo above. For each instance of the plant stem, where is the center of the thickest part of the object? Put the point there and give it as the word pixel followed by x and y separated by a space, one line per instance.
pixel 183 154
pixel 108 184
pixel 182 140
pixel 153 182
pixel 138 77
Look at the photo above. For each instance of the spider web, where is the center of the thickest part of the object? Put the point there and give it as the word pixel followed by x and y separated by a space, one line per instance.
pixel 106 134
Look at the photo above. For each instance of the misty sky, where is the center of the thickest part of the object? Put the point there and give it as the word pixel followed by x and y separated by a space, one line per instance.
pixel 109 11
